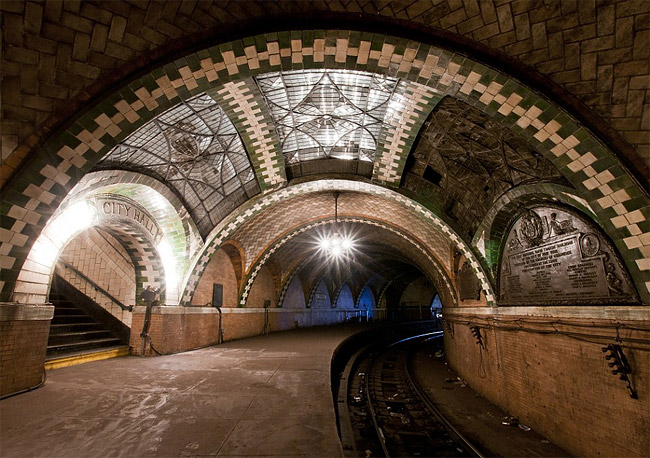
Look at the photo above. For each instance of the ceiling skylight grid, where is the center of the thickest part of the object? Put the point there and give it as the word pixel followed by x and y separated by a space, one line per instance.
pixel 327 113
pixel 195 148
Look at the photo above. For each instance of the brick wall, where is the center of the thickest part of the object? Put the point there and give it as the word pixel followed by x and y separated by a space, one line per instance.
pixel 558 385
pixel 263 288
pixel 24 330
pixel 219 270
pixel 102 259
pixel 175 329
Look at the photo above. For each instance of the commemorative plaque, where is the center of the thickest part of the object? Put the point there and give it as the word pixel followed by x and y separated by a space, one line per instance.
pixel 554 257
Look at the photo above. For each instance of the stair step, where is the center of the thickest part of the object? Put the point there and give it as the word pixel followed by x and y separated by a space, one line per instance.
pixel 65 311
pixel 72 327
pixel 63 319
pixel 70 359
pixel 82 345
pixel 73 332
pixel 57 338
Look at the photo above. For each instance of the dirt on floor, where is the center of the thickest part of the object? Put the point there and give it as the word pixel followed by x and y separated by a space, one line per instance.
pixel 475 417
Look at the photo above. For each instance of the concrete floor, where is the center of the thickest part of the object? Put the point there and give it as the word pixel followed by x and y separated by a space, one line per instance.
pixel 264 396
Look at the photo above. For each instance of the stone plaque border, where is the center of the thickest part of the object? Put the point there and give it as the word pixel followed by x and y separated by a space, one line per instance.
pixel 541 238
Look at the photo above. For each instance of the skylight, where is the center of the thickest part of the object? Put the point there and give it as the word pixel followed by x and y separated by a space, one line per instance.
pixel 195 148
pixel 327 113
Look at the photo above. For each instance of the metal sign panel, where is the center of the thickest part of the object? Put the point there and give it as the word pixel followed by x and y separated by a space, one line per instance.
pixel 554 257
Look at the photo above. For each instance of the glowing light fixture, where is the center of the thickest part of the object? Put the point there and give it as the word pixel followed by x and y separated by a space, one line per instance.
pixel 169 263
pixel 66 225
pixel 335 245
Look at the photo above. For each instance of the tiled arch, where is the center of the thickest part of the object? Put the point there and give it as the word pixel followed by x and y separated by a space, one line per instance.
pixel 150 197
pixel 439 275
pixel 419 212
pixel 621 204
pixel 489 234
pixel 35 277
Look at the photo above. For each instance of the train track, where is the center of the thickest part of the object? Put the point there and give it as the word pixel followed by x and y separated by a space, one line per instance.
pixel 384 412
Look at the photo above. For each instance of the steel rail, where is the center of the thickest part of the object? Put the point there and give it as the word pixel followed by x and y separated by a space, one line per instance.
pixel 420 394
pixel 431 406
pixel 373 414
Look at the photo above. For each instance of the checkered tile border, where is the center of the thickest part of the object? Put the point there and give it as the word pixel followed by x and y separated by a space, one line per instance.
pixel 245 106
pixel 622 206
pixel 403 125
pixel 227 228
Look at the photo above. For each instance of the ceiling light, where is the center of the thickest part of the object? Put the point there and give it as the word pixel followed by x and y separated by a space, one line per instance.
pixel 335 245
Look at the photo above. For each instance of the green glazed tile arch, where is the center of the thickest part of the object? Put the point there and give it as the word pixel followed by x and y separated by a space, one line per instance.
pixel 229 226
pixel 160 203
pixel 440 276
pixel 592 168
pixel 36 275
pixel 149 269
pixel 171 216
pixel 491 230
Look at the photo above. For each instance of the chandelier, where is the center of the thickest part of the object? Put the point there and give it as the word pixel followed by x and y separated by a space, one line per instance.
pixel 336 245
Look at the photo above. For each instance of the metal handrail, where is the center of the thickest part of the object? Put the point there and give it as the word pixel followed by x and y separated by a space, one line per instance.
pixel 96 286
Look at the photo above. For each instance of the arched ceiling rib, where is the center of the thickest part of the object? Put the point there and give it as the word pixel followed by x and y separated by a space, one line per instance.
pixel 589 166
pixel 195 149
pixel 379 246
pixel 260 232
pixel 375 250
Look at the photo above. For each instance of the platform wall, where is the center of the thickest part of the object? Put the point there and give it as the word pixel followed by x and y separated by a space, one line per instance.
pixel 547 368
pixel 175 329
pixel 24 329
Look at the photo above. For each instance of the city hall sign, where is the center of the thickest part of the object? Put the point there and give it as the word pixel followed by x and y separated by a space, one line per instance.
pixel 126 210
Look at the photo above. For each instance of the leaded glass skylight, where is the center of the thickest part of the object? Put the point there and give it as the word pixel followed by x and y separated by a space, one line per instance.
pixel 327 113
pixel 195 149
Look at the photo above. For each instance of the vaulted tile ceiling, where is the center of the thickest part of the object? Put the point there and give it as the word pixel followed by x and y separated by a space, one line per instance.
pixel 463 161
pixel 328 114
pixel 194 148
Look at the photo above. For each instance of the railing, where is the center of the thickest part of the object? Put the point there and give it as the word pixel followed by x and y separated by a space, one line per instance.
pixel 96 286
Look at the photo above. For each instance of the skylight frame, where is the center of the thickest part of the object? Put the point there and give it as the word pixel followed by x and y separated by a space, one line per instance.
pixel 328 113
pixel 196 150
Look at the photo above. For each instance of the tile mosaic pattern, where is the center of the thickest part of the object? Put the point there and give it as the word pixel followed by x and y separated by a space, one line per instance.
pixel 245 106
pixel 328 113
pixel 596 50
pixel 261 231
pixel 464 161
pixel 622 207
pixel 437 241
pixel 195 149
pixel 438 273
pixel 159 200
pixel 404 122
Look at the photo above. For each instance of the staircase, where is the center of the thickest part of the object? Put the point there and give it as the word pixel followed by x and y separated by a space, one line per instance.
pixel 76 336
